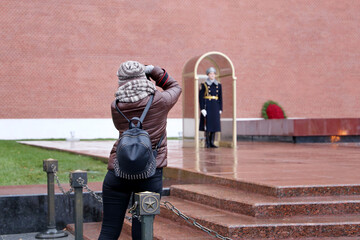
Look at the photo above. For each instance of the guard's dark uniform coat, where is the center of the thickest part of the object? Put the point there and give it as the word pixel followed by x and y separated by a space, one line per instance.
pixel 211 101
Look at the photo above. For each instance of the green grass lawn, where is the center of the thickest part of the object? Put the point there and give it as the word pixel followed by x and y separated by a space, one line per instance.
pixel 23 165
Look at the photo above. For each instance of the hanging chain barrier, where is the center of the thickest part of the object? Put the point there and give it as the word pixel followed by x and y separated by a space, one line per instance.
pixel 92 193
pixel 80 181
pixel 168 205
pixel 53 167
pixel 132 211
pixel 192 221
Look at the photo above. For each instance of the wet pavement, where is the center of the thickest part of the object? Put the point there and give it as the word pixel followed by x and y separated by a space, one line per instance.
pixel 270 163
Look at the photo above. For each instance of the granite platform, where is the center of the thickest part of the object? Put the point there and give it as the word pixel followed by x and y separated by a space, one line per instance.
pixel 256 191
pixel 275 165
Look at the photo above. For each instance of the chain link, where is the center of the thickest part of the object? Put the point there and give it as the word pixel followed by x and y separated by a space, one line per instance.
pixel 92 193
pixel 58 181
pixel 132 211
pixel 192 221
pixel 133 208
pixel 128 218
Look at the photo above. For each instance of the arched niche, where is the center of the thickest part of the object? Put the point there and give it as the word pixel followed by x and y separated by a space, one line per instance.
pixel 194 73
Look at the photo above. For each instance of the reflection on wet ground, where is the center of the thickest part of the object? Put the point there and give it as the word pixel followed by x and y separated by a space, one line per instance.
pixel 271 163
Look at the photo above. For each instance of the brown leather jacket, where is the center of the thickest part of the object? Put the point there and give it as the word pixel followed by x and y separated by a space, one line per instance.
pixel 155 120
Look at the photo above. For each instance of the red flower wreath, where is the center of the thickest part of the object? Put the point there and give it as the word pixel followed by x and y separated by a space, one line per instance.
pixel 272 110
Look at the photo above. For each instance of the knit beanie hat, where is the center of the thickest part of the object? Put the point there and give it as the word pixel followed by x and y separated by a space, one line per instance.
pixel 131 70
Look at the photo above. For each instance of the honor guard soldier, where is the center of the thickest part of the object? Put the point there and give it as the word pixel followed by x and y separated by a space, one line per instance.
pixel 210 101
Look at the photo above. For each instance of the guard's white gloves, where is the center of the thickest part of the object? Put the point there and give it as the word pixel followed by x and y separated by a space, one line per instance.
pixel 148 69
pixel 220 112
pixel 203 112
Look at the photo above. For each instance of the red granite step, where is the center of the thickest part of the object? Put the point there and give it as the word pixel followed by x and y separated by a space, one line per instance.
pixel 264 206
pixel 190 176
pixel 163 229
pixel 170 230
pixel 91 231
pixel 239 226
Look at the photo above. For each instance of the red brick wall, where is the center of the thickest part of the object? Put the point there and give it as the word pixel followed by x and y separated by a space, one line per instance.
pixel 58 58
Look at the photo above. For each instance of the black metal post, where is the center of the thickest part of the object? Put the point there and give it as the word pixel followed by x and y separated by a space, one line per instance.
pixel 77 179
pixel 51 232
pixel 148 206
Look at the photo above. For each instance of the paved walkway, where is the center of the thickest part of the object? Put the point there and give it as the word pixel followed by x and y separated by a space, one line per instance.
pixel 275 164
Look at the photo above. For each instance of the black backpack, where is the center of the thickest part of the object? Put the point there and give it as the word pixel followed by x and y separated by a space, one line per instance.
pixel 135 158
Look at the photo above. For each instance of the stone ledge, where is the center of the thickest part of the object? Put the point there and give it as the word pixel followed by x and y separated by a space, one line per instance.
pixel 300 127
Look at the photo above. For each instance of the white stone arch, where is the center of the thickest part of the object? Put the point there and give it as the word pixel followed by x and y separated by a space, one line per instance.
pixel 225 70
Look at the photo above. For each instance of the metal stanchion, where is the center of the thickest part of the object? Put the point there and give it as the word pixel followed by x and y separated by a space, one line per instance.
pixel 148 206
pixel 78 178
pixel 51 232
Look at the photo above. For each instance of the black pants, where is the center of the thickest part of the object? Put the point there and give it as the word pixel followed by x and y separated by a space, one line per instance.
pixel 116 196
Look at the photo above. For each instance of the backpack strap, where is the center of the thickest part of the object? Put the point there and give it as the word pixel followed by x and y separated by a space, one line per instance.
pixel 117 108
pixel 158 145
pixel 143 115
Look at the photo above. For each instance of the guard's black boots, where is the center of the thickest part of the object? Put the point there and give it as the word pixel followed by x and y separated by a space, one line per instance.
pixel 212 138
pixel 207 140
